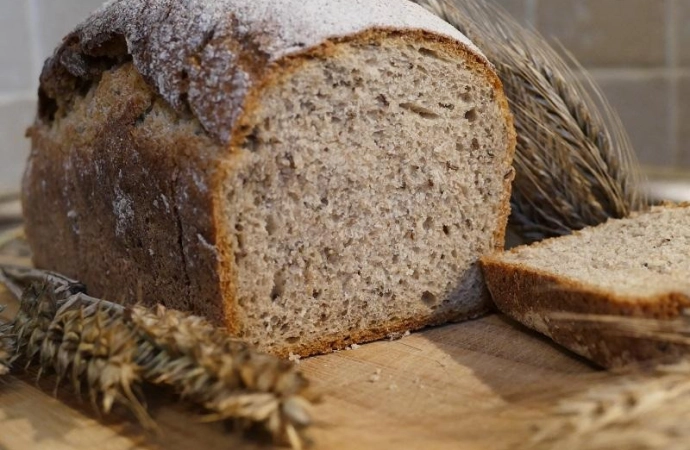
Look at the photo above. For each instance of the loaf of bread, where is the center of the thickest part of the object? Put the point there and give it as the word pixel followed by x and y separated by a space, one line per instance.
pixel 635 267
pixel 310 173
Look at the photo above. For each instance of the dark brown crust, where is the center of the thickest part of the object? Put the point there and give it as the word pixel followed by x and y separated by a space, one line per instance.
pixel 188 169
pixel 531 296
pixel 78 176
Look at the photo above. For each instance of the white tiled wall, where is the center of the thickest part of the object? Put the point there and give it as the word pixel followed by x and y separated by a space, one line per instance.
pixel 29 31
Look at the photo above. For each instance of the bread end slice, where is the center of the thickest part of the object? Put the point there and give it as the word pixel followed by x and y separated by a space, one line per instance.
pixel 565 287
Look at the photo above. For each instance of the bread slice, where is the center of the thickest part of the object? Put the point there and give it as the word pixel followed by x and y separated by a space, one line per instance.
pixel 310 173
pixel 637 267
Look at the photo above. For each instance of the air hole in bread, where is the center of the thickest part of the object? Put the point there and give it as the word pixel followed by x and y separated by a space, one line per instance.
pixel 428 298
pixel 278 285
pixel 472 115
pixel 423 112
pixel 271 225
pixel 430 53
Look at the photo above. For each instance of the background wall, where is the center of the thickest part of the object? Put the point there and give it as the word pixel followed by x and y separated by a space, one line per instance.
pixel 638 50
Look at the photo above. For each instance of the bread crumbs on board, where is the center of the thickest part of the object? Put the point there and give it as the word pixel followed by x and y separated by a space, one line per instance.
pixel 376 376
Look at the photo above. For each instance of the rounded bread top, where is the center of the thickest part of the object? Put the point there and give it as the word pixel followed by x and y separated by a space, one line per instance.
pixel 205 55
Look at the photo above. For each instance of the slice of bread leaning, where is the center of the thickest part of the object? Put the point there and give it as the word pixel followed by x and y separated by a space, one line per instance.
pixel 309 173
pixel 565 287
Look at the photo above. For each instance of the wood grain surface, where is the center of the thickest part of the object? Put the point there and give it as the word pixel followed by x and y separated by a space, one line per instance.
pixel 482 384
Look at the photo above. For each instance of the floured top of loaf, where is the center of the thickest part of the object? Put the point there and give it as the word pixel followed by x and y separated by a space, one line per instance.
pixel 205 55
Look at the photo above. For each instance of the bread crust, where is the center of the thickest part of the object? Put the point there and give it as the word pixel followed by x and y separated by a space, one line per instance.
pixel 111 199
pixel 392 330
pixel 205 57
pixel 188 169
pixel 531 296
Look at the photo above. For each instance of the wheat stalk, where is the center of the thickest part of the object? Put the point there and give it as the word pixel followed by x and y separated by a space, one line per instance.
pixel 113 350
pixel 225 375
pixel 575 166
pixel 7 347
pixel 85 344
pixel 646 407
pixel 646 410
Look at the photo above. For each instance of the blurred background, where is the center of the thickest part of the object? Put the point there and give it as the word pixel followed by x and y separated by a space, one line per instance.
pixel 637 50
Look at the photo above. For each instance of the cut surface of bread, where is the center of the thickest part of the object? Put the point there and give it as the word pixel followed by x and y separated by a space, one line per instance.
pixel 638 267
pixel 344 192
pixel 379 213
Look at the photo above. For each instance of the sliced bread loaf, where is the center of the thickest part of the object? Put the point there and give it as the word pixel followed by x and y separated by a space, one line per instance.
pixel 310 173
pixel 637 267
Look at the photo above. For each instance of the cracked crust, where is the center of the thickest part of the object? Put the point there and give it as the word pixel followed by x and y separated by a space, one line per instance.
pixel 126 212
pixel 175 250
pixel 206 57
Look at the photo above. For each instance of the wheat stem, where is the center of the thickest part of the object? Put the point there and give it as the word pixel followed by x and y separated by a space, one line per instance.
pixel 223 374
pixel 113 350
pixel 644 410
pixel 7 347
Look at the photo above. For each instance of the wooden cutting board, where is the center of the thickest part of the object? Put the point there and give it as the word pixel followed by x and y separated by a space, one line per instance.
pixel 483 384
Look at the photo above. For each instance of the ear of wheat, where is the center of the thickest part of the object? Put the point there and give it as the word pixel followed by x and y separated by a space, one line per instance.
pixel 645 406
pixel 7 346
pixel 575 166
pixel 111 351
pixel 224 375
pixel 643 410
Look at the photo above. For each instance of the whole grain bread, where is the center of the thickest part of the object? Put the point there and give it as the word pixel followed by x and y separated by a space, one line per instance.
pixel 310 173
pixel 637 267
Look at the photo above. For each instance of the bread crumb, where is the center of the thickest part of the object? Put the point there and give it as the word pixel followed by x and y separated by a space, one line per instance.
pixel 396 336
pixel 352 347
pixel 294 358
pixel 376 376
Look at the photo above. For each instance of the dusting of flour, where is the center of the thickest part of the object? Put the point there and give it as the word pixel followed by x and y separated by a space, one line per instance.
pixel 192 50
pixel 123 212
